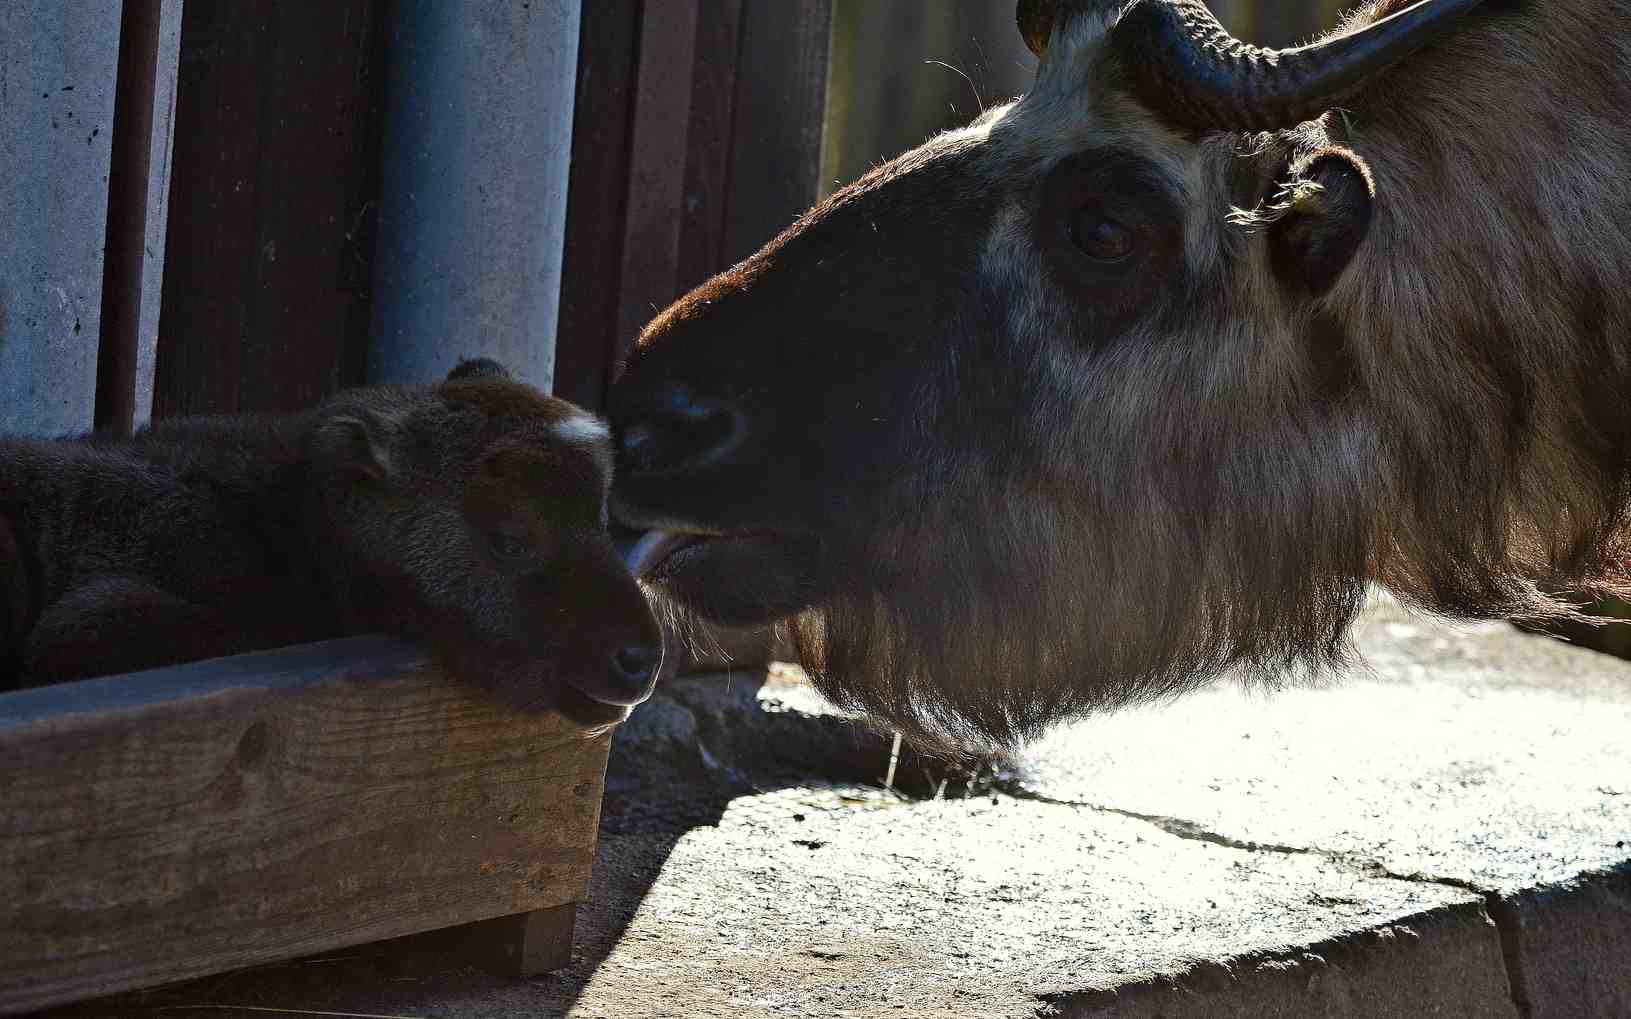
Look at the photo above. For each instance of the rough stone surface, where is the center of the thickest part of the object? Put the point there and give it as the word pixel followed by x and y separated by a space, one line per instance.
pixel 1476 754
pixel 1446 835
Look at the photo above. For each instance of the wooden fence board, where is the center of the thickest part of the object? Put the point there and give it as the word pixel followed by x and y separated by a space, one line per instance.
pixel 173 823
pixel 781 91
pixel 721 107
pixel 708 145
pixel 264 308
pixel 649 270
pixel 608 57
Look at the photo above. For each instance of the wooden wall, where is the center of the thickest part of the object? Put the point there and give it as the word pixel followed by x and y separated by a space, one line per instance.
pixel 271 203
pixel 697 138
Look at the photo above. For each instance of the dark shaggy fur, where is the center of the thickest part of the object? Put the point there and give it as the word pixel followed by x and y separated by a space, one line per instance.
pixel 1070 408
pixel 467 515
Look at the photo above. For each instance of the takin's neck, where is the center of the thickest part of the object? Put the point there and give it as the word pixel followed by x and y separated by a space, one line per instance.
pixel 1491 302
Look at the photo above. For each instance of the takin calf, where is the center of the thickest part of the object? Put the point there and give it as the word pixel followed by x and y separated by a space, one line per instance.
pixel 468 515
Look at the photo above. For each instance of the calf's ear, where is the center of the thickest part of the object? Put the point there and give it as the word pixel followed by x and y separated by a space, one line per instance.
pixel 1326 200
pixel 360 443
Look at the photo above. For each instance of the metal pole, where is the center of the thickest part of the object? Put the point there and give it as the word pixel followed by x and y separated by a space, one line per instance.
pixel 475 156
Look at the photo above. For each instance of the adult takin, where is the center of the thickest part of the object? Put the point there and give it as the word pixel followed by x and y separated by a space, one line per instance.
pixel 1146 376
pixel 470 516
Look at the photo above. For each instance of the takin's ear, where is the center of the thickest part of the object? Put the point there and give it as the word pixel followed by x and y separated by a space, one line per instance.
pixel 359 442
pixel 478 368
pixel 1326 200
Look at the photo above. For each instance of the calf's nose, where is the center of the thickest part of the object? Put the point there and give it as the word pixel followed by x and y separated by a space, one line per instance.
pixel 674 429
pixel 630 674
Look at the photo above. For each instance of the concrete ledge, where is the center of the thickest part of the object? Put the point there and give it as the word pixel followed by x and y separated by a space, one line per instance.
pixel 1444 962
pixel 1570 945
pixel 1445 832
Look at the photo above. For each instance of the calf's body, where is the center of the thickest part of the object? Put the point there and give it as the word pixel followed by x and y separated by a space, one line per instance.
pixel 469 516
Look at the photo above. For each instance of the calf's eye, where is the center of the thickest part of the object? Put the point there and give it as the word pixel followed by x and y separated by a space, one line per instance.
pixel 1099 237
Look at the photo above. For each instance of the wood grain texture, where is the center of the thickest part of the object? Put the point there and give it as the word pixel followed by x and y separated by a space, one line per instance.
pixel 608 58
pixel 708 155
pixel 265 305
pixel 649 270
pixel 184 821
pixel 781 93
pixel 697 137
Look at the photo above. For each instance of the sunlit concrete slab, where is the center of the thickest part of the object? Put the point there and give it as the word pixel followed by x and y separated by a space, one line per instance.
pixel 1445 831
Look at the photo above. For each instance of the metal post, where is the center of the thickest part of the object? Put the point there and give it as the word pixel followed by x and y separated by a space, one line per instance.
pixel 58 66
pixel 475 157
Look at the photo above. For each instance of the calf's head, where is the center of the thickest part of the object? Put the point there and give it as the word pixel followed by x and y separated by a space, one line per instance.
pixel 472 516
pixel 1111 391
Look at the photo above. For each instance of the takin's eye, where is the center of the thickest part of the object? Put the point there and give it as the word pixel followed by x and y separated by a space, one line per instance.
pixel 1110 230
pixel 1099 237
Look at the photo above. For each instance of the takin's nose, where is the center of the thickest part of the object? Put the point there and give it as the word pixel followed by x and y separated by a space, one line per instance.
pixel 673 429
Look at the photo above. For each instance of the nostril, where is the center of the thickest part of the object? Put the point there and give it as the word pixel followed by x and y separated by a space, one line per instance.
pixel 679 430
pixel 633 671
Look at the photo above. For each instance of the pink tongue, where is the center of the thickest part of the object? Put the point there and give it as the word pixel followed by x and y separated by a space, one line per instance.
pixel 653 547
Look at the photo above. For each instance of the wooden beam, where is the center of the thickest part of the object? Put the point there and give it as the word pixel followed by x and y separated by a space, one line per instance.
pixel 174 823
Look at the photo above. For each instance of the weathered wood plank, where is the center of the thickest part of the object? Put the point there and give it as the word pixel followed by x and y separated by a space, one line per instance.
pixel 169 824
pixel 608 60
pixel 781 92
pixel 265 297
pixel 708 156
pixel 662 113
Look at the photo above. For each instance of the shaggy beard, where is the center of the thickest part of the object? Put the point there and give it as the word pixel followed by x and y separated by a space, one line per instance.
pixel 981 624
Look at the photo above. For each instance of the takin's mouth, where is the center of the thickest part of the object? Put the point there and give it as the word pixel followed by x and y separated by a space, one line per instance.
pixel 649 554
pixel 735 578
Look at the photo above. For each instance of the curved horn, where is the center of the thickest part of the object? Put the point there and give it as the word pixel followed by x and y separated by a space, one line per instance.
pixel 1187 68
